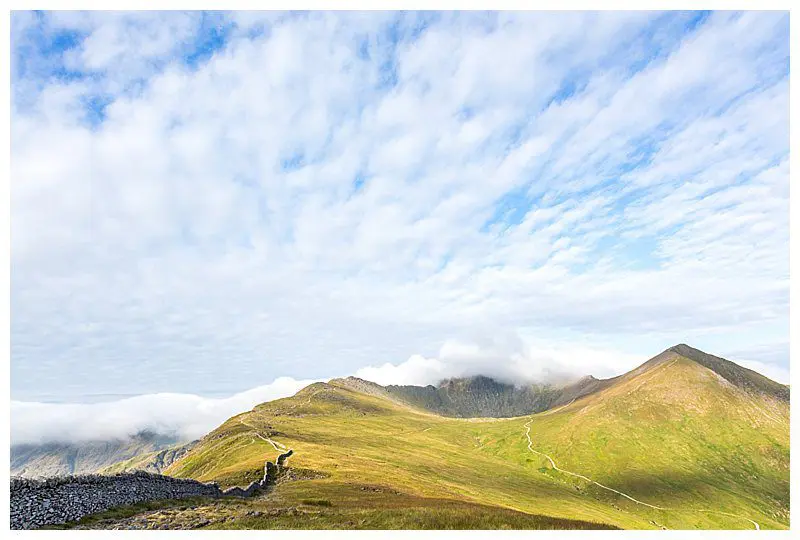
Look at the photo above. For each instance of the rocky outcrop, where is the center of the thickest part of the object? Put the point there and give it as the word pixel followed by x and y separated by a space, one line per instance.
pixel 478 396
pixel 36 503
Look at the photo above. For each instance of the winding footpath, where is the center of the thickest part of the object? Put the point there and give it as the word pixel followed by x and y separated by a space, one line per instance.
pixel 553 464
pixel 276 445
pixel 555 467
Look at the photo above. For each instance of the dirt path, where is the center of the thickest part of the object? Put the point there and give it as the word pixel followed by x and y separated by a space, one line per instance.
pixel 553 464
pixel 276 445
pixel 651 375
pixel 732 515
pixel 555 467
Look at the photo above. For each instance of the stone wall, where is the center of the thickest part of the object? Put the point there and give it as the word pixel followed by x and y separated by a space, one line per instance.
pixel 36 503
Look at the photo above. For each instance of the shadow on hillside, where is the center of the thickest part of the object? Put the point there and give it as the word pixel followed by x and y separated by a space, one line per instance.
pixel 685 490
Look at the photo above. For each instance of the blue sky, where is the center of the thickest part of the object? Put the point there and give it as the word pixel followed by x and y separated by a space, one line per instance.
pixel 204 202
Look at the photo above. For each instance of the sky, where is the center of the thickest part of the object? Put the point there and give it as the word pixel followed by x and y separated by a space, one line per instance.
pixel 208 203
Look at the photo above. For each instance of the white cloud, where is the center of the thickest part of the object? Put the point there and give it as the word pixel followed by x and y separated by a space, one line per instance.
pixel 622 176
pixel 512 360
pixel 184 415
pixel 509 358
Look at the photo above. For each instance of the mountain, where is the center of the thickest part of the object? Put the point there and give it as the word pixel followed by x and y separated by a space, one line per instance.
pixel 153 462
pixel 685 441
pixel 744 378
pixel 481 396
pixel 477 396
pixel 58 459
pixel 686 431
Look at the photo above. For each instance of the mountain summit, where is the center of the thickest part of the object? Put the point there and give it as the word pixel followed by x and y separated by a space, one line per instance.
pixel 739 376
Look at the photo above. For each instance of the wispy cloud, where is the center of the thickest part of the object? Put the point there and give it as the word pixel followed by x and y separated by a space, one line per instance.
pixel 227 198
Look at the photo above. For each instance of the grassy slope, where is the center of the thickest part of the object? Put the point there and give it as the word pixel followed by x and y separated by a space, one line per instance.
pixel 361 440
pixel 308 505
pixel 136 463
pixel 676 436
pixel 673 434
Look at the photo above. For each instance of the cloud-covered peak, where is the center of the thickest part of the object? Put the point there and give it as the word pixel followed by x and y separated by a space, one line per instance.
pixel 512 361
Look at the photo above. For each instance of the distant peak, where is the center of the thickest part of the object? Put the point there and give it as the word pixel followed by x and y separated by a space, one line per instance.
pixel 473 382
pixel 692 353
pixel 734 373
pixel 351 378
pixel 359 385
pixel 684 348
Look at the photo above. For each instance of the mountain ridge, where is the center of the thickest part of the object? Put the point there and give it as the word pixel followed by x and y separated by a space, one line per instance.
pixel 66 458
pixel 737 375
pixel 647 449
pixel 484 396
pixel 466 397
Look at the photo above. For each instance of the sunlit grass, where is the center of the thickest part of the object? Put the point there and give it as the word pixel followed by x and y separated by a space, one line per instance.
pixel 684 441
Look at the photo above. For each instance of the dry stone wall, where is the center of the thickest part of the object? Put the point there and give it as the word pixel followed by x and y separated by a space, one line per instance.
pixel 36 503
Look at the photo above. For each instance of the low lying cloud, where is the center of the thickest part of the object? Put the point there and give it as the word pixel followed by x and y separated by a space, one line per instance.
pixel 510 360
pixel 506 357
pixel 186 416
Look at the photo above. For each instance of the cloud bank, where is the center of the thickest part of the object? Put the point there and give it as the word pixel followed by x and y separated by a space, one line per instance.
pixel 183 415
pixel 509 358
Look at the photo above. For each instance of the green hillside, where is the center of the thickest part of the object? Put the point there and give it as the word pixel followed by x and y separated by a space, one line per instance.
pixel 678 436
pixel 687 448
